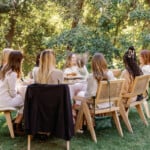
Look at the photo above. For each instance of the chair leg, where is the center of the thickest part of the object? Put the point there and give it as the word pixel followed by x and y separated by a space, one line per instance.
pixel 68 145
pixel 9 123
pixel 141 113
pixel 125 118
pixel 146 107
pixel 89 121
pixel 29 142
pixel 117 122
pixel 79 120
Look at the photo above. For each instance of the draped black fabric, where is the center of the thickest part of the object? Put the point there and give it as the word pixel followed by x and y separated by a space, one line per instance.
pixel 48 109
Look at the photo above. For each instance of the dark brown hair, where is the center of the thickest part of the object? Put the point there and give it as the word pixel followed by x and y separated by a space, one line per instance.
pixel 131 64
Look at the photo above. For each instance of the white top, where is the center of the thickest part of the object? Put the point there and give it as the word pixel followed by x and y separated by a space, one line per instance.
pixel 8 88
pixel 69 70
pixel 146 69
pixel 92 84
pixel 83 71
pixel 34 71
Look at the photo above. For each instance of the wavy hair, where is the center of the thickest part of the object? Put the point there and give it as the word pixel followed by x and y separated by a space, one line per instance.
pixel 131 65
pixel 99 66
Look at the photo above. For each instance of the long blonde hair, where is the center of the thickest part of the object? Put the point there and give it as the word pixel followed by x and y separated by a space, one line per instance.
pixel 46 66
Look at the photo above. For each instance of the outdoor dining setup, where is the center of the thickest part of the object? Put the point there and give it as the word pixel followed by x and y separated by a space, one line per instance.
pixel 51 101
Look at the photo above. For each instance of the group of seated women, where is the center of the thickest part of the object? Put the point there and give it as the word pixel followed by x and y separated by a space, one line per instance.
pixel 45 72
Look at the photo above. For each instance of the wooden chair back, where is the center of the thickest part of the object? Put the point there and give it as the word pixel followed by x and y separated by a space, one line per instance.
pixel 140 85
pixel 109 91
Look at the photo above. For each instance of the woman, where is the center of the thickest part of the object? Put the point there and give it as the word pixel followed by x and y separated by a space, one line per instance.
pixel 47 72
pixel 131 71
pixel 5 54
pixel 82 69
pixel 34 70
pixel 144 59
pixel 10 74
pixel 71 68
pixel 99 72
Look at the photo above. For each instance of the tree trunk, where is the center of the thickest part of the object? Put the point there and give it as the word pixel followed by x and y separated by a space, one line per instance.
pixel 9 36
pixel 78 10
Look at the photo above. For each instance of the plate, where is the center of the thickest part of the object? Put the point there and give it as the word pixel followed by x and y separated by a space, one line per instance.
pixel 73 77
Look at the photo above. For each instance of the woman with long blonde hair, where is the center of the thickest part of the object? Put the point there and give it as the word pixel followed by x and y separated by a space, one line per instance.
pixel 47 72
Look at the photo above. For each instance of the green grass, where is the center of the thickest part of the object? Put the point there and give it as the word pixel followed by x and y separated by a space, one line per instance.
pixel 108 139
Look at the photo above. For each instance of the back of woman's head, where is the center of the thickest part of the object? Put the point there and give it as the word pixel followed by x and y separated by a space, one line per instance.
pixel 47 64
pixel 145 54
pixel 47 59
pixel 131 64
pixel 99 65
pixel 131 51
pixel 13 64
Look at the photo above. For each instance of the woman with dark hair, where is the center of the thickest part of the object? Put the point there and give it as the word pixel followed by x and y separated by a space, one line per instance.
pixel 130 72
pixel 9 96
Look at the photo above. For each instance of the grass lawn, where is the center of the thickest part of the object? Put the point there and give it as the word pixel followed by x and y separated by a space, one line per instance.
pixel 108 139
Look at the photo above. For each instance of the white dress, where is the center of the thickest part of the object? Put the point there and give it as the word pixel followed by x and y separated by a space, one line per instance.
pixel 69 70
pixel 146 69
pixel 8 92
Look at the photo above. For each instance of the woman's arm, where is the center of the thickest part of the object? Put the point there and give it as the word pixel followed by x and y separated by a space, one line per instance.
pixel 12 81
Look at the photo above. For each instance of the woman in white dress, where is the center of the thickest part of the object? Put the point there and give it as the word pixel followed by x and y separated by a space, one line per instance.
pixel 73 70
pixel 9 96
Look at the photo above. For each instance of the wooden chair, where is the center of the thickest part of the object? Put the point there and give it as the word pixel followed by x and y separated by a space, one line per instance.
pixel 145 103
pixel 48 109
pixel 139 87
pixel 7 112
pixel 107 92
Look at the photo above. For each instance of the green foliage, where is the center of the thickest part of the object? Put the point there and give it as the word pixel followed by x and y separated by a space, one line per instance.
pixel 81 40
pixel 109 26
